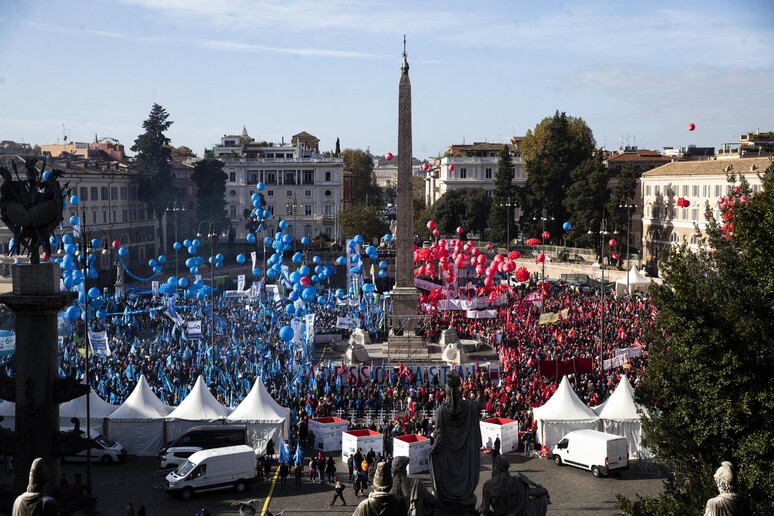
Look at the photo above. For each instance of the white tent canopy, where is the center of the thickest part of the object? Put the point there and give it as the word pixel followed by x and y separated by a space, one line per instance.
pixel 99 409
pixel 637 282
pixel 8 412
pixel 620 416
pixel 198 408
pixel 265 418
pixel 138 424
pixel 561 414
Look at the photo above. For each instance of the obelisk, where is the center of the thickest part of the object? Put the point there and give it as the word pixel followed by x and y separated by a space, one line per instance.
pixel 402 341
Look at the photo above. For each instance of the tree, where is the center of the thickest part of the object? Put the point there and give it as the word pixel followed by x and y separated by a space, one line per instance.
pixel 586 196
pixel 709 378
pixel 361 164
pixel 503 194
pixel 183 151
pixel 155 187
pixel 558 145
pixel 359 219
pixel 211 194
pixel 466 207
pixel 625 188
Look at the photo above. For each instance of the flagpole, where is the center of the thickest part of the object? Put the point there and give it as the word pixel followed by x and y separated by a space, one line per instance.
pixel 85 271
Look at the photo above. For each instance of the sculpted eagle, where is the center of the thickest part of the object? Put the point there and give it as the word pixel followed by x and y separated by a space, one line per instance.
pixel 31 208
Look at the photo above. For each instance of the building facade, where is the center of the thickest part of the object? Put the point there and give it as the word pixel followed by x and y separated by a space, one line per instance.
pixel 701 183
pixel 302 186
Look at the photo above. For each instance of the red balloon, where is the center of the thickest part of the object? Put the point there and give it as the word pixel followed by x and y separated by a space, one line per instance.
pixel 480 269
pixel 304 281
pixel 612 242
pixel 481 259
pixel 489 246
pixel 435 232
pixel 546 235
pixel 430 225
pixel 488 282
pixel 116 244
pixel 451 167
pixel 540 258
pixel 460 230
pixel 388 156
pixel 45 256
pixel 425 167
pixel 691 127
pixel 522 274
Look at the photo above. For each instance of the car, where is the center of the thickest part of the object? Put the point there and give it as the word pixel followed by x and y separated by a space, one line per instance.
pixel 598 452
pixel 105 450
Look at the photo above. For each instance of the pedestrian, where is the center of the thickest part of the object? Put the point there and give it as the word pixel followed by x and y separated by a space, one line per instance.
pixel 259 470
pixel 298 472
pixel 141 511
pixel 339 491
pixel 270 448
pixel 351 467
pixel 312 468
pixel 130 509
pixel 267 467
pixel 330 468
pixel 283 473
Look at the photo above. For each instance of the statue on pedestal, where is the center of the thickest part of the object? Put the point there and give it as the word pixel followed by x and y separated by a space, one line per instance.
pixel 728 502
pixel 506 495
pixel 455 457
pixel 419 502
pixel 34 502
pixel 381 502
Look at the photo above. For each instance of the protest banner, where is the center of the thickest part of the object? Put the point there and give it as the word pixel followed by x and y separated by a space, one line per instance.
pixel 99 343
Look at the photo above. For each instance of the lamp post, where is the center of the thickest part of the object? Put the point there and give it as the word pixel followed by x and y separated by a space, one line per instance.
pixel 543 218
pixel 290 209
pixel 602 234
pixel 212 233
pixel 628 206
pixel 175 207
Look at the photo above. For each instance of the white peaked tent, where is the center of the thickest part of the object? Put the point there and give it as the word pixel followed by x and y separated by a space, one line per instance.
pixel 620 416
pixel 265 418
pixel 638 282
pixel 8 411
pixel 138 424
pixel 198 408
pixel 99 409
pixel 561 414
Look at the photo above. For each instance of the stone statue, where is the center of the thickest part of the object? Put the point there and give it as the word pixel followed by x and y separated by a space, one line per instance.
pixel 31 208
pixel 455 457
pixel 419 502
pixel 381 502
pixel 728 502
pixel 34 501
pixel 506 495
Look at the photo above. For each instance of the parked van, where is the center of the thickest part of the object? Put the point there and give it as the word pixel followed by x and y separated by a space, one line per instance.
pixel 220 468
pixel 601 453
pixel 198 438
pixel 105 450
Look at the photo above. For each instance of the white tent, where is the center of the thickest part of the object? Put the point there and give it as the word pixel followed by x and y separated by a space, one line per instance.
pixel 638 282
pixel 138 424
pixel 99 409
pixel 198 408
pixel 265 418
pixel 620 416
pixel 8 412
pixel 561 414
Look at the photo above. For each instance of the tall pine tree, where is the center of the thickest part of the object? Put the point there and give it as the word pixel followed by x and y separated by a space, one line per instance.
pixel 155 187
pixel 211 194
pixel 502 195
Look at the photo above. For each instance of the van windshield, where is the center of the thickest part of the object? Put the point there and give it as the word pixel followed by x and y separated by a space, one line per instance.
pixel 185 468
pixel 104 441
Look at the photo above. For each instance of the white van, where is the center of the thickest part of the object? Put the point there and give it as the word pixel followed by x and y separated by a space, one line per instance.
pixel 601 453
pixel 219 468
pixel 105 450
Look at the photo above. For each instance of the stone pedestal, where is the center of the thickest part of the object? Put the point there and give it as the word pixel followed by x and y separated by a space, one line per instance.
pixel 453 352
pixel 402 342
pixel 35 300
pixel 356 351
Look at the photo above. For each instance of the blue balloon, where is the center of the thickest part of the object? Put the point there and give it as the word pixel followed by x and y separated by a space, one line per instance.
pixel 260 187
pixel 101 313
pixel 370 250
pixel 73 313
pixel 257 271
pixel 286 239
pixel 368 288
pixel 240 258
pixel 358 239
pixel 74 200
pixel 351 244
pixel 340 292
pixel 123 251
pixel 283 225
pixel 267 241
pixel 304 270
pixel 286 333
pixel 305 240
pixel 356 270
pixel 54 240
pixel 192 249
pixel 382 274
pixel 95 243
pixel 182 282
pixel 94 293
pixel 388 238
pixel 300 311
pixel 297 288
pixel 250 238
pixel 318 270
pixel 271 273
pixel 194 270
pixel 67 238
pixel 151 263
pixel 162 259
pixel 177 246
pixel 75 220
pixel 186 243
pixel 172 280
pixel 297 258
pixel 342 260
pixel 295 277
pixel 566 226
pixel 309 294
pixel 382 264
pixel 293 296
pixel 46 174
pixel 266 214
pixel 316 260
pixel 320 300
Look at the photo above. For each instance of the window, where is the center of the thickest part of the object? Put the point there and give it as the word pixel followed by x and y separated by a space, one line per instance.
pixel 269 193
pixel 115 218
pixel 307 193
pixel 695 190
pixel 755 188
pixel 124 239
pixel 685 190
pixel 647 190
pixel 132 215
pixel 308 231
pixel 307 209
pixel 271 178
pixel 271 209
pixel 190 189
pixel 463 173
pixel 290 178
pixel 289 193
pixel 666 191
pixel 113 193
pixel 328 209
pixel 728 189
pixel 104 216
pixel 132 193
pixel 232 211
pixel 328 232
pixel 308 177
pixel 695 214
pixel 488 173
pixel 656 190
pixel 252 177
pixel 685 214
pixel 705 190
pixel 674 212
pixel 232 177
pixel 654 211
pixel 327 176
pixel 717 190
pixel 327 193
pixel 142 214
pixel 93 216
pixel 84 193
pixel 233 193
pixel 124 193
pixel 124 216
pixel 105 193
pixel 94 193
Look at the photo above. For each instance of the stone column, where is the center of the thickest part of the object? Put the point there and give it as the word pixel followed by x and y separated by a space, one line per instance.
pixel 35 300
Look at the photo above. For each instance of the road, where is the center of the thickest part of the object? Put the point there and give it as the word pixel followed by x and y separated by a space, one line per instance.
pixel 572 490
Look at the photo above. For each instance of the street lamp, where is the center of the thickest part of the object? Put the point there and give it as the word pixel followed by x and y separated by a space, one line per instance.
pixel 509 205
pixel 628 206
pixel 543 218
pixel 175 207
pixel 602 234
pixel 212 232
pixel 290 209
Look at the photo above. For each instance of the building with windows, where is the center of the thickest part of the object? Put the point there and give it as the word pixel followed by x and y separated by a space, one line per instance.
pixel 701 183
pixel 302 186
pixel 471 166
pixel 108 206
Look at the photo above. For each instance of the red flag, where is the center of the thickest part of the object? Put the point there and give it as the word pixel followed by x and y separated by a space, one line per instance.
pixel 478 371
pixel 637 343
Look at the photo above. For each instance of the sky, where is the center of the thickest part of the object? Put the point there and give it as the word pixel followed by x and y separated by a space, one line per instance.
pixel 638 72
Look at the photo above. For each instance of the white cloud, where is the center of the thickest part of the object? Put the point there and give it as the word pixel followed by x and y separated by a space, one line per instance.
pixel 236 46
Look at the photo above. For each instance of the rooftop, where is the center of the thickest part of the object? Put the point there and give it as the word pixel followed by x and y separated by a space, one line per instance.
pixel 709 168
